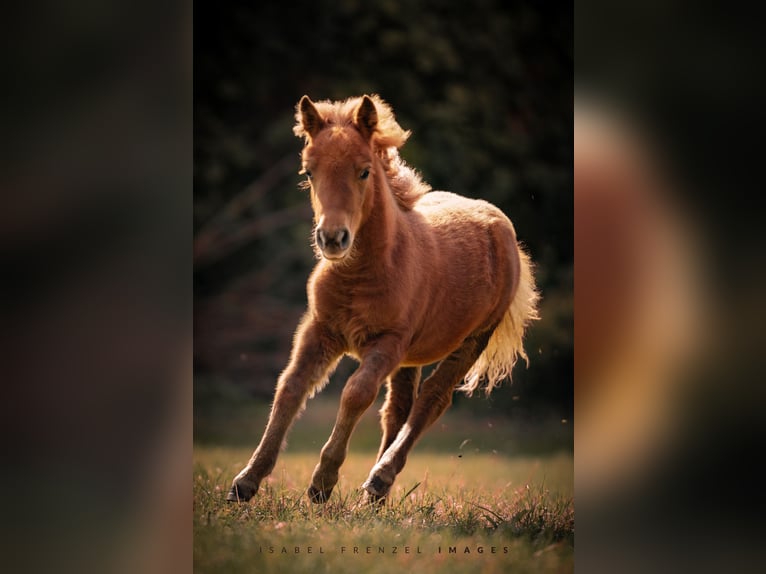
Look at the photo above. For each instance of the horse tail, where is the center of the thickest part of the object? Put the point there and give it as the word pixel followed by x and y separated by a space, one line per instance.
pixel 505 345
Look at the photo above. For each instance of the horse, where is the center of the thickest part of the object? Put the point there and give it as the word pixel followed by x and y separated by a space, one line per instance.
pixel 406 277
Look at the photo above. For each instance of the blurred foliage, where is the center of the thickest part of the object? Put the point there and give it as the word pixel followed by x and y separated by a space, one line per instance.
pixel 486 89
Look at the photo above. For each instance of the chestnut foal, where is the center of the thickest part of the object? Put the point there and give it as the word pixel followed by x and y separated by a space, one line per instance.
pixel 406 277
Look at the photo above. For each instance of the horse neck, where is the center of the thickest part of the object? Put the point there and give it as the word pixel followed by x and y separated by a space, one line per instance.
pixel 379 231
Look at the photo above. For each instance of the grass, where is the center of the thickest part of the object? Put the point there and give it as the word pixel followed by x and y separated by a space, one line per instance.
pixel 479 493
pixel 480 513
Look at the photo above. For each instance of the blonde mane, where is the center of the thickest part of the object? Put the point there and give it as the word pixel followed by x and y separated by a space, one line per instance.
pixel 405 183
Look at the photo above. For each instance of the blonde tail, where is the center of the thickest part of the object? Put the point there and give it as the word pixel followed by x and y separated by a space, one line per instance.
pixel 506 343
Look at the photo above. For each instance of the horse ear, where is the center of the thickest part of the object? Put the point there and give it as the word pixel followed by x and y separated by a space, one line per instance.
pixel 311 121
pixel 366 117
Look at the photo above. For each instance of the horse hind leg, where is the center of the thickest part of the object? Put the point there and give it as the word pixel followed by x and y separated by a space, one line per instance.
pixel 400 396
pixel 434 398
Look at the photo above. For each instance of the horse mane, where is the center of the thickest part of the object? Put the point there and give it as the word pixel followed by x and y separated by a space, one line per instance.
pixel 405 183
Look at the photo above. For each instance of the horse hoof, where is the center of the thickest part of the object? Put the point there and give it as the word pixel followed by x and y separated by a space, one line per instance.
pixel 375 487
pixel 318 496
pixel 241 492
pixel 373 500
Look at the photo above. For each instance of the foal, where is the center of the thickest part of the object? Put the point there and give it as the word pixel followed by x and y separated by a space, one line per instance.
pixel 405 278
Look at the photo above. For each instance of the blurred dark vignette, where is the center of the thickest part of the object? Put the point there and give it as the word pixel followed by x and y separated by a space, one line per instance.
pixel 95 288
pixel 669 284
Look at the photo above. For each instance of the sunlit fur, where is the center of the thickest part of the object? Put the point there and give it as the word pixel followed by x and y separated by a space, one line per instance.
pixel 506 345
pixel 428 277
pixel 404 182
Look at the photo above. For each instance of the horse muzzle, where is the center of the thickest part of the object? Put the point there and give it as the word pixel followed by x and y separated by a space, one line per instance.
pixel 334 244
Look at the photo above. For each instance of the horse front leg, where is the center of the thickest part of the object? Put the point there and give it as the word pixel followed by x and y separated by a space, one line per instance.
pixel 313 356
pixel 434 398
pixel 360 391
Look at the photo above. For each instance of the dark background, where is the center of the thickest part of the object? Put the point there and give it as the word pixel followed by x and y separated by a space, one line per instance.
pixel 486 90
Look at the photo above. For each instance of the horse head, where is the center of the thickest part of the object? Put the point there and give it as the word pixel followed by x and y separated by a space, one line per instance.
pixel 338 161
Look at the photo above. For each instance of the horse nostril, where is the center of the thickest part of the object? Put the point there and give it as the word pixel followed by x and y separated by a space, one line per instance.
pixel 320 238
pixel 343 238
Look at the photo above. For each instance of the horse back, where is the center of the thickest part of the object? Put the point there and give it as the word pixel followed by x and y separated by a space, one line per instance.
pixel 474 240
pixel 472 268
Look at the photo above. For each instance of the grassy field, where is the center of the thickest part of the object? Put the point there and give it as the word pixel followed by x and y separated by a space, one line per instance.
pixel 462 504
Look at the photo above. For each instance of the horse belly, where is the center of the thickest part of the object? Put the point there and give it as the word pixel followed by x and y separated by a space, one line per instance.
pixel 427 354
pixel 444 331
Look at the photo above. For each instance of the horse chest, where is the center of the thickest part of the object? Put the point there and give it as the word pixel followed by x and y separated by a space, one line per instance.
pixel 359 311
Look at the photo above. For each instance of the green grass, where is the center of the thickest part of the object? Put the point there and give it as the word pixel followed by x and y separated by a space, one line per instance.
pixel 496 513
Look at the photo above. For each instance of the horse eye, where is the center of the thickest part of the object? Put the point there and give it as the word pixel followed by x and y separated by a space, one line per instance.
pixel 364 174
